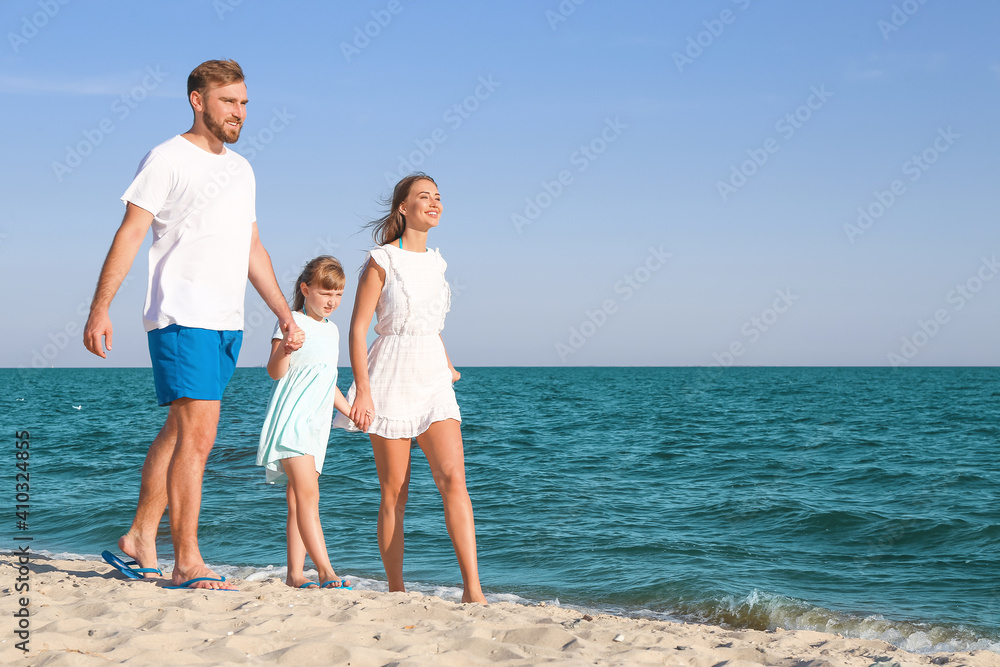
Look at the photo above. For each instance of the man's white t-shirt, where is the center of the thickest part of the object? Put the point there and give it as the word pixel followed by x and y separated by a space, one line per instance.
pixel 204 209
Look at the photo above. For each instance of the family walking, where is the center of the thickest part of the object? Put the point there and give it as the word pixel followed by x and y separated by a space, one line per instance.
pixel 205 248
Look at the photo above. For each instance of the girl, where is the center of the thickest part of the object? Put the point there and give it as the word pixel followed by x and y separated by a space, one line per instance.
pixel 403 384
pixel 297 426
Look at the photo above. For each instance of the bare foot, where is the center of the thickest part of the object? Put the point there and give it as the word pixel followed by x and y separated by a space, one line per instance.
pixel 329 579
pixel 142 552
pixel 477 597
pixel 214 581
pixel 299 581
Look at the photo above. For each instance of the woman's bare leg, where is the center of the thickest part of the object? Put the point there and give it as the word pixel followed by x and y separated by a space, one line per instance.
pixel 392 460
pixel 442 445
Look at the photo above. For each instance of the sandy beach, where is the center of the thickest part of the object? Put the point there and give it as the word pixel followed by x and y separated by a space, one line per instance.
pixel 83 613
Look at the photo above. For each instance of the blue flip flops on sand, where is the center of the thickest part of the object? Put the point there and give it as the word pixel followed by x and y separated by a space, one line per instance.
pixel 126 568
pixel 188 586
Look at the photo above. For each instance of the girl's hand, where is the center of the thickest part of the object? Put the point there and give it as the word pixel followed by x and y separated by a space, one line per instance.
pixel 363 411
pixel 455 375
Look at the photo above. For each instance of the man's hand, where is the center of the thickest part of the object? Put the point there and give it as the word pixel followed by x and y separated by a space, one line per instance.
pixel 294 341
pixel 128 238
pixel 98 327
pixel 294 336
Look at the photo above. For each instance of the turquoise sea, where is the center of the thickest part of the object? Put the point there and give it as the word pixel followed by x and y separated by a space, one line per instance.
pixel 862 501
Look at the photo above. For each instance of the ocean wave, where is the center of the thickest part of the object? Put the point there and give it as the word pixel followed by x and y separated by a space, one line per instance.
pixel 767 611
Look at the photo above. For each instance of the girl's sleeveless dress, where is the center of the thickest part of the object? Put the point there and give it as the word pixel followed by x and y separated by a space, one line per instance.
pixel 300 411
pixel 407 366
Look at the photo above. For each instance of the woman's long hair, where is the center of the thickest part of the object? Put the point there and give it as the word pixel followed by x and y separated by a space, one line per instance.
pixel 390 227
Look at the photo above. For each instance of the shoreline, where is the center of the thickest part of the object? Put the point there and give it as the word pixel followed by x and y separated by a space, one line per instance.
pixel 84 613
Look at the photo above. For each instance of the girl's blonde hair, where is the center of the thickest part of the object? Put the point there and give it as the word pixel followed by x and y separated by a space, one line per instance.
pixel 390 227
pixel 324 272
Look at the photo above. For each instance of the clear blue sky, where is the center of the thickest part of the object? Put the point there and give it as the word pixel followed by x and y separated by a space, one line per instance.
pixel 625 183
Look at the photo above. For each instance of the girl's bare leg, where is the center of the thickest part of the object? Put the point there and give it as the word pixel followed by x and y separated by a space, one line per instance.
pixel 442 445
pixel 296 550
pixel 392 460
pixel 303 489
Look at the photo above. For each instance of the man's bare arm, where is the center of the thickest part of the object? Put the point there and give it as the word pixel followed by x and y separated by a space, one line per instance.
pixel 262 278
pixel 123 250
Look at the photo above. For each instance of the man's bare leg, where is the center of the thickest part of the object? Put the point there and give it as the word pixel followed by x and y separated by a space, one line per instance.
pixel 139 542
pixel 196 425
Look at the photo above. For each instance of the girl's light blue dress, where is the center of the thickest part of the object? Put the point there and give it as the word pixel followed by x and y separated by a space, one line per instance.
pixel 300 411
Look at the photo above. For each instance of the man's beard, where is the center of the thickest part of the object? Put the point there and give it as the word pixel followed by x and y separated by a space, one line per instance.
pixel 220 130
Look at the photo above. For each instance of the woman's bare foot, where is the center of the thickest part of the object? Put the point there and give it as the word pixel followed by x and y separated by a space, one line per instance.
pixel 142 552
pixel 477 597
pixel 331 580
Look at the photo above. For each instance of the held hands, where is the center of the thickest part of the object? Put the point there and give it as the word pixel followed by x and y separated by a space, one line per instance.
pixel 363 411
pixel 294 336
pixel 294 341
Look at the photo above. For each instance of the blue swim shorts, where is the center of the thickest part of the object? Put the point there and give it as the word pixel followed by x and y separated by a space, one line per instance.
pixel 192 363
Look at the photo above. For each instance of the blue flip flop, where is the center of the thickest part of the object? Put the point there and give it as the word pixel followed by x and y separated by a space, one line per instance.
pixel 187 584
pixel 325 584
pixel 308 584
pixel 126 568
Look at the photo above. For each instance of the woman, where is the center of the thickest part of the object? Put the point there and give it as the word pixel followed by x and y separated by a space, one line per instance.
pixel 403 384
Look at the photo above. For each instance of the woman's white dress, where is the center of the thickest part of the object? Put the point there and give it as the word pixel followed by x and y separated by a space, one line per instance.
pixel 407 366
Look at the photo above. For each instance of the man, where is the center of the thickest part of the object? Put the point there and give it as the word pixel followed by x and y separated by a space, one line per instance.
pixel 199 198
